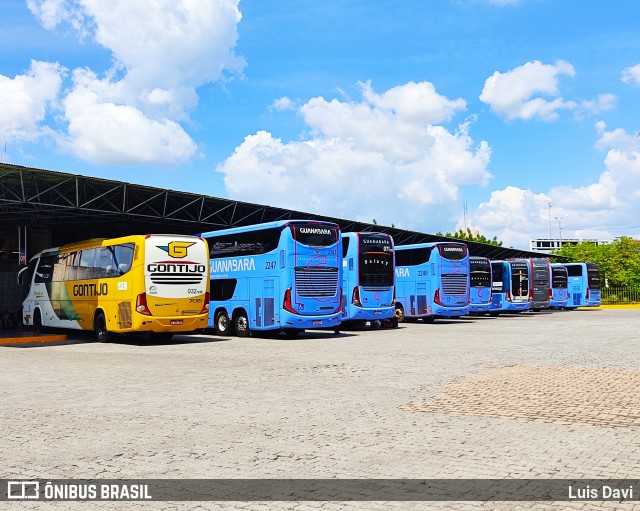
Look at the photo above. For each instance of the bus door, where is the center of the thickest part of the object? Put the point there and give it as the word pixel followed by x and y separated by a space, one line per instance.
pixel 263 301
pixel 421 298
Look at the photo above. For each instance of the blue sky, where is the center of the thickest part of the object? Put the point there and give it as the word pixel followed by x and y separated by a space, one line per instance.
pixel 399 111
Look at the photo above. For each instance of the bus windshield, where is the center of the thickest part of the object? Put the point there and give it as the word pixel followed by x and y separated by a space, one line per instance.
pixel 376 260
pixel 453 251
pixel 559 278
pixel 480 275
pixel 593 276
pixel 519 279
pixel 314 235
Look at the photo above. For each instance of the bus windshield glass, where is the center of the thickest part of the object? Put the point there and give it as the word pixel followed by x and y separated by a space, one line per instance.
pixel 519 279
pixel 593 276
pixel 480 275
pixel 453 251
pixel 315 235
pixel 376 260
pixel 559 278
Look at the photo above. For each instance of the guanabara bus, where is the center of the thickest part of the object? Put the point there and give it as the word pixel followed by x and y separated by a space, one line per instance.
pixel 156 284
pixel 277 276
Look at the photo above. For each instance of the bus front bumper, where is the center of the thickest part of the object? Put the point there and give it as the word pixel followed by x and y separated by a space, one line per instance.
pixel 356 313
pixel 298 321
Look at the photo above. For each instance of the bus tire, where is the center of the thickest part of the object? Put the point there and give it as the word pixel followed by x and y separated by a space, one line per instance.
pixel 241 324
pixel 37 321
pixel 399 313
pixel 221 324
pixel 100 328
pixel 429 319
pixel 292 333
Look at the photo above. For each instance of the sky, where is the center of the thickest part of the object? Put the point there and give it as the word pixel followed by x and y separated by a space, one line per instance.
pixel 518 118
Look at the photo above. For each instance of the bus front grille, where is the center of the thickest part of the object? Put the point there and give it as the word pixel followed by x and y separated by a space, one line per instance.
pixel 312 282
pixel 454 284
pixel 177 278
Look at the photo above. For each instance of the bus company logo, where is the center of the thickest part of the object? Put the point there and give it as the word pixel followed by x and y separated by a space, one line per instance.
pixel 378 241
pixel 23 490
pixel 314 230
pixel 177 249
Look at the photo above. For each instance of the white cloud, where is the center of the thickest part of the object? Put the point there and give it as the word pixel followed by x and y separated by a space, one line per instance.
pixel 595 210
pixel 631 75
pixel 511 94
pixel 162 51
pixel 602 103
pixel 24 100
pixel 378 158
pixel 107 132
pixel 283 103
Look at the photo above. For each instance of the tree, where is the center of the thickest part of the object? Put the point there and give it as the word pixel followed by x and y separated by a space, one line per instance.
pixel 619 262
pixel 467 235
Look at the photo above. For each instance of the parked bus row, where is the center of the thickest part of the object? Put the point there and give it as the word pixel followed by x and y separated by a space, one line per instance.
pixel 284 276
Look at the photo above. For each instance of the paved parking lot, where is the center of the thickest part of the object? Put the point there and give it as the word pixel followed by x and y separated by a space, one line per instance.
pixel 549 395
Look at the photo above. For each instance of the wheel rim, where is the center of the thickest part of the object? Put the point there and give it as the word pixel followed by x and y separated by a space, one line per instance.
pixel 223 323
pixel 399 314
pixel 242 325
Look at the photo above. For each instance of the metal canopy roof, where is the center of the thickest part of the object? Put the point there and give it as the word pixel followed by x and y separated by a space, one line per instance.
pixel 76 207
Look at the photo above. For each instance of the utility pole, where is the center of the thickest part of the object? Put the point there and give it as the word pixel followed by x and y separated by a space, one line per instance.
pixel 550 235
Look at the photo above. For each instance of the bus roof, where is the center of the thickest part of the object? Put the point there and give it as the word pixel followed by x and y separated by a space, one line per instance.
pixel 267 225
pixel 430 244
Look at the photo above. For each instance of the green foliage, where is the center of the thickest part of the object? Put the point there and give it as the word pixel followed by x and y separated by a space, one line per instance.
pixel 619 261
pixel 467 235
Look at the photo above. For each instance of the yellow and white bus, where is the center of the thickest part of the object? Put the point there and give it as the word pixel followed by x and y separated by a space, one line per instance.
pixel 155 283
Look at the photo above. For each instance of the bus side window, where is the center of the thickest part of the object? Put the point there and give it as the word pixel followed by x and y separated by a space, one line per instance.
pixel 122 258
pixel 104 263
pixel 87 260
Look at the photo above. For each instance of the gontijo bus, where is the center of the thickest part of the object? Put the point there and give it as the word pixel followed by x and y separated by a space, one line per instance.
pixel 283 275
pixel 158 284
pixel 432 280
pixel 368 277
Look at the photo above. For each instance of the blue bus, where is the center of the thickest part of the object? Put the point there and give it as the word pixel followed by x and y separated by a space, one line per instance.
pixel 584 284
pixel 367 273
pixel 432 280
pixel 277 276
pixel 510 286
pixel 480 285
pixel 559 287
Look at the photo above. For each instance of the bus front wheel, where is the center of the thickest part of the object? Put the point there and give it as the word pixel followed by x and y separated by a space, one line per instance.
pixel 241 324
pixel 222 323
pixel 100 328
pixel 399 314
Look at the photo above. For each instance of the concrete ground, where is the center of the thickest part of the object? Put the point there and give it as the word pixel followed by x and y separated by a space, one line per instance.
pixel 534 396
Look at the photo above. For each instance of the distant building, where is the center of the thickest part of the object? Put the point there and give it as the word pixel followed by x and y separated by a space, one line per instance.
pixel 548 245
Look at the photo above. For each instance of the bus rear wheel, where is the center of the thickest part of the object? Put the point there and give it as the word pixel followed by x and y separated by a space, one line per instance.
pixel 399 313
pixel 37 322
pixel 100 328
pixel 221 323
pixel 241 324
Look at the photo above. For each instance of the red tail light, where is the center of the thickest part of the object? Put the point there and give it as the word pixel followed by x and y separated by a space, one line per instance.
pixel 340 307
pixel 436 297
pixel 205 306
pixel 508 296
pixel 287 302
pixel 393 300
pixel 141 304
pixel 549 294
pixel 355 297
pixel 588 293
